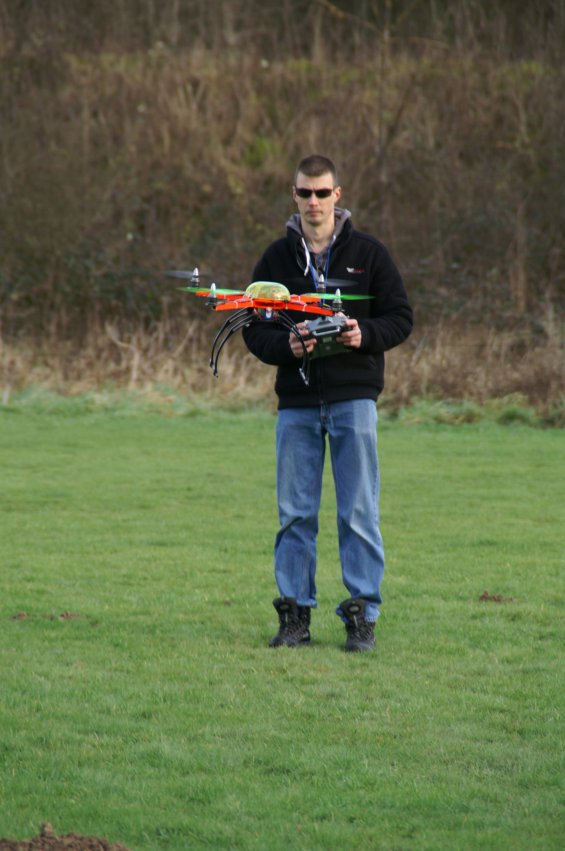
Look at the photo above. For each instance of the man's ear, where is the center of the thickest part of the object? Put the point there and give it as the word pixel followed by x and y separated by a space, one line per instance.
pixel 337 191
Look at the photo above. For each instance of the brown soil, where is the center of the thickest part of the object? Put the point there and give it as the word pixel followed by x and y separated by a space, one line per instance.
pixel 492 598
pixel 48 841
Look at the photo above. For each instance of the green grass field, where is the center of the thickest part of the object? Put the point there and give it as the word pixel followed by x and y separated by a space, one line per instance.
pixel 139 699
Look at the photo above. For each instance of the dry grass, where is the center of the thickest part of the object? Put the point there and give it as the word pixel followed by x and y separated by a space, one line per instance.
pixel 479 364
pixel 444 362
pixel 142 361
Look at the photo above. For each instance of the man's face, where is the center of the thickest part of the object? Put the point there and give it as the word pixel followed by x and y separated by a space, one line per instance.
pixel 318 212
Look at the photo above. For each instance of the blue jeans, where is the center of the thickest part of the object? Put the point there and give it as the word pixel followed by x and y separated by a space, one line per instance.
pixel 301 445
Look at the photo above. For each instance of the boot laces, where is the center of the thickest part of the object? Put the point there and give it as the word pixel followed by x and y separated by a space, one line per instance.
pixel 358 627
pixel 291 624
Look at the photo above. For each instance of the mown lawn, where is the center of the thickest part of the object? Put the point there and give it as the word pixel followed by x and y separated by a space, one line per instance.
pixel 139 699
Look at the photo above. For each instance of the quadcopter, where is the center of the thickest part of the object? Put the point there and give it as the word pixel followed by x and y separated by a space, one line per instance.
pixel 270 301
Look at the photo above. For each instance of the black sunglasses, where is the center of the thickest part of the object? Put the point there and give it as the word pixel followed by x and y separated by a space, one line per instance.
pixel 319 193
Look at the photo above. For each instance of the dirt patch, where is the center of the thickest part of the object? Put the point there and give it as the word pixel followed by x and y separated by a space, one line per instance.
pixel 48 841
pixel 495 598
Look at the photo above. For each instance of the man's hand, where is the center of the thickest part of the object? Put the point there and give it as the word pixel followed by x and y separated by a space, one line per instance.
pixel 296 345
pixel 352 337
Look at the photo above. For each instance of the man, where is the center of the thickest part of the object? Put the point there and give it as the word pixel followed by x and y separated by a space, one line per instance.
pixel 338 402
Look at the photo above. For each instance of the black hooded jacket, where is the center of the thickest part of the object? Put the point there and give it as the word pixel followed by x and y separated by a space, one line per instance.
pixel 385 319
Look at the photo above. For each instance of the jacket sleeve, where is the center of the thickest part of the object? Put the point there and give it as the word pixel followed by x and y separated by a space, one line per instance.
pixel 391 318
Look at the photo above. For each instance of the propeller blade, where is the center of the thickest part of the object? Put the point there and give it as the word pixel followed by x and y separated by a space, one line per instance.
pixel 173 273
pixel 207 291
pixel 336 296
pixel 193 275
pixel 340 283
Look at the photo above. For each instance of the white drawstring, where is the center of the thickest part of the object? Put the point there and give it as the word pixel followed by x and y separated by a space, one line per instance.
pixel 308 261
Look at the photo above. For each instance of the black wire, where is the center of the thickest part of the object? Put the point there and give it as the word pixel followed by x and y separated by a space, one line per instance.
pixel 243 317
pixel 228 329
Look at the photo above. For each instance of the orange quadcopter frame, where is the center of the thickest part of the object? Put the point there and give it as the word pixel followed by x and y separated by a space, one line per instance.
pixel 261 301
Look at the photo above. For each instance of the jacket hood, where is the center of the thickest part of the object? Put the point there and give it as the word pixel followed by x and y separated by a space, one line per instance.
pixel 341 216
pixel 294 232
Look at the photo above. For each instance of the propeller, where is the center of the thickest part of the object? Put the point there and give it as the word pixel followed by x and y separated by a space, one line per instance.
pixel 338 282
pixel 193 275
pixel 215 289
pixel 337 296
pixel 194 278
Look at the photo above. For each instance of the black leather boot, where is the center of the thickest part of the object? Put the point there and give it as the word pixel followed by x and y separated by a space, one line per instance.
pixel 294 623
pixel 360 633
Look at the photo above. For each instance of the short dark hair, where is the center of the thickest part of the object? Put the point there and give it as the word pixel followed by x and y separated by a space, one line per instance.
pixel 316 165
